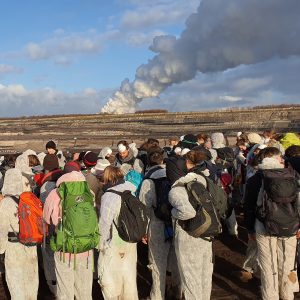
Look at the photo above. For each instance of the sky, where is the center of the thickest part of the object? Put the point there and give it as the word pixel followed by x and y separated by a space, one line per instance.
pixel 71 56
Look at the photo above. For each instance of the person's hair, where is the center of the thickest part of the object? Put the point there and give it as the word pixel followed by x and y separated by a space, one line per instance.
pixel 123 142
pixel 258 158
pixel 112 175
pixel 195 157
pixel 202 136
pixel 241 142
pixel 150 143
pixel 270 133
pixel 277 137
pixel 292 151
pixel 153 141
pixel 81 156
pixel 271 151
pixel 33 160
pixel 155 158
pixel 244 137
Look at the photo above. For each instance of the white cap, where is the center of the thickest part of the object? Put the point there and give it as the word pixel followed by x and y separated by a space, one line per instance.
pixel 239 134
pixel 177 150
pixel 185 151
pixel 121 148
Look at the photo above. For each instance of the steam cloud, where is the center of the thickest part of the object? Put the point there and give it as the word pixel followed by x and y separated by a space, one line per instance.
pixel 221 35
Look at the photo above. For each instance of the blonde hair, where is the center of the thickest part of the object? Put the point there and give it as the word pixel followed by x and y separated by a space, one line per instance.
pixel 112 175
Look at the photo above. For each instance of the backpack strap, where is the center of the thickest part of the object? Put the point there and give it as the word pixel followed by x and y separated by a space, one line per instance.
pixel 149 173
pixel 115 192
pixel 188 187
pixel 13 237
pixel 16 199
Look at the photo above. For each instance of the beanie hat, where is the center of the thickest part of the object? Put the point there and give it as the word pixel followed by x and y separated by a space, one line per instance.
pixel 50 162
pixel 190 138
pixel 90 159
pixel 101 165
pixel 217 139
pixel 51 145
pixel 71 166
pixel 254 138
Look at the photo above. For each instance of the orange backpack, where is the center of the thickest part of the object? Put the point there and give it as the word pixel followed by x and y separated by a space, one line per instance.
pixel 32 228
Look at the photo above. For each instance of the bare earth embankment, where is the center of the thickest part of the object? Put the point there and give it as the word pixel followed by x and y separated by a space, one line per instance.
pixel 96 131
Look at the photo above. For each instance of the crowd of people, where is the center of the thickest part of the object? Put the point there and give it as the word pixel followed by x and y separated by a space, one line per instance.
pixel 79 219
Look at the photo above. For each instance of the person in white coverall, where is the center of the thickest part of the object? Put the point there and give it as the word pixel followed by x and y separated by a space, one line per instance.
pixel 71 282
pixel 21 262
pixel 276 255
pixel 22 163
pixel 194 255
pixel 117 258
pixel 160 249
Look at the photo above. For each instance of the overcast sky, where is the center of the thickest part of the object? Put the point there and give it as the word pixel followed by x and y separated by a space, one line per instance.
pixel 70 56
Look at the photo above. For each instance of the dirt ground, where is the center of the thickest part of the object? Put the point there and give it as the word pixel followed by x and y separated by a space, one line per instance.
pixel 229 255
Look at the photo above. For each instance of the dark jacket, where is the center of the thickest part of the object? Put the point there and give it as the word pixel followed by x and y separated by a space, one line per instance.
pixel 213 170
pixel 251 194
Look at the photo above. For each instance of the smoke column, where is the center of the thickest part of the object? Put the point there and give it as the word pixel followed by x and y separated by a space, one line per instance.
pixel 221 35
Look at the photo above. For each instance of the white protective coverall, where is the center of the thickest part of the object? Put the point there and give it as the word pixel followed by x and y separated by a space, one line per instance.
pixel 22 163
pixel 276 255
pixel 74 278
pixel 117 258
pixel 21 262
pixel 194 255
pixel 160 250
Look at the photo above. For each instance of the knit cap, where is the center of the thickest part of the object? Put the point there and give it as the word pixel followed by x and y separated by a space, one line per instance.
pixel 90 159
pixel 50 162
pixel 100 166
pixel 71 166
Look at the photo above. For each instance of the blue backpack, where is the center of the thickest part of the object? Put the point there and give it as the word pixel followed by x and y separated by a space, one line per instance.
pixel 135 178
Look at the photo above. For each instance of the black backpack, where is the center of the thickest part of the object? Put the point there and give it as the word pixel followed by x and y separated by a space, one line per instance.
pixel 279 209
pixel 226 154
pixel 132 224
pixel 163 208
pixel 225 159
pixel 206 223
pixel 219 197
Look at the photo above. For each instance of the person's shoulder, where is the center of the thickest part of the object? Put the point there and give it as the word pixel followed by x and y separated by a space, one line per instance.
pixel 7 204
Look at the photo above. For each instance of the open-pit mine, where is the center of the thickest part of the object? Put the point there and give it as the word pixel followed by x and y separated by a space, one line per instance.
pixel 73 132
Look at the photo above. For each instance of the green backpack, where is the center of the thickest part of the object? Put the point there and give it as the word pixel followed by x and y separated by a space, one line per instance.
pixel 79 230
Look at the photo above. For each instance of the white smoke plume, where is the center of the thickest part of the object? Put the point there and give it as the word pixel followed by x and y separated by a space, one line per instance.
pixel 221 35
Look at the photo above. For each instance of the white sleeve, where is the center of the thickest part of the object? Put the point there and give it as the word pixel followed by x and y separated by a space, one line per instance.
pixel 182 208
pixel 147 193
pixel 4 226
